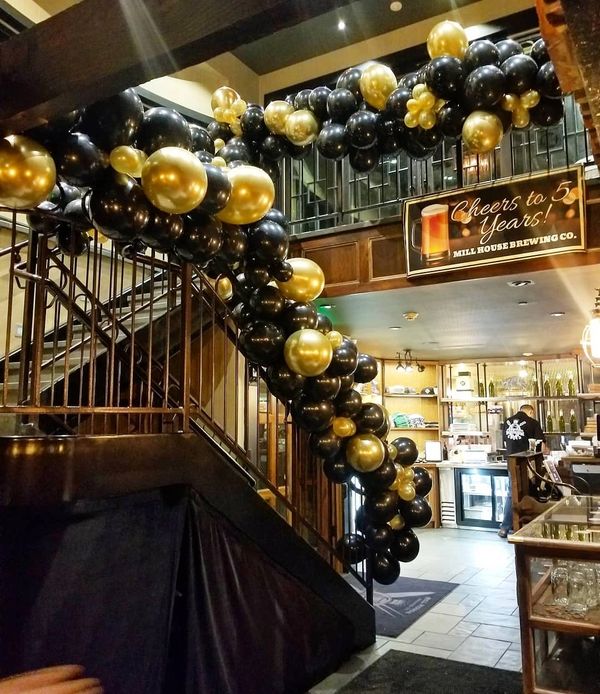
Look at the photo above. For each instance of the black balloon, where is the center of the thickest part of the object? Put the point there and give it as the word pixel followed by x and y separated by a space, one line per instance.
pixel 78 160
pixel 235 243
pixel 42 221
pixel 388 136
pixel 324 325
pixel 444 77
pixel 163 230
pixel 204 156
pixel 484 87
pixel 218 189
pixel 235 152
pixel 360 517
pixel 351 548
pixel 450 119
pixel 262 342
pixel 273 147
pixel 322 387
pixel 366 368
pixel 282 271
pixel 539 52
pixel 71 241
pixel 113 121
pixel 429 139
pixel 301 99
pixel 415 149
pixel 275 215
pixel 422 74
pixel 313 415
pixel 547 82
pixel 350 80
pixel 422 481
pixel 253 124
pixel 548 112
pixel 380 479
pixel 341 104
pixel 333 142
pixel 201 140
pixel 381 507
pixel 520 72
pixel 56 129
pixel 298 315
pixel 407 450
pixel 119 207
pixel 267 302
pixel 480 53
pixel 416 513
pixel 337 469
pixel 409 80
pixel 344 359
pixel 201 239
pixel 63 193
pixel 219 131
pixel 383 431
pixel 364 160
pixel 370 418
pixel 508 48
pixel 348 403
pixel 325 443
pixel 396 102
pixel 256 272
pixel 283 382
pixel 163 127
pixel 361 128
pixel 378 537
pixel 298 151
pixel 405 545
pixel 317 102
pixel 385 568
pixel 268 241
pixel 346 382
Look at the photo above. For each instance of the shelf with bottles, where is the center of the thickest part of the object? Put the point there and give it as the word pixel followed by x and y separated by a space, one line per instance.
pixel 432 396
pixel 414 428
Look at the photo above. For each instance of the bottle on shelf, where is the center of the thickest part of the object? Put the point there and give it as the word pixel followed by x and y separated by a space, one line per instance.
pixel 536 388
pixel 573 422
pixel 547 389
pixel 492 390
pixel 481 390
pixel 559 386
pixel 561 421
pixel 549 423
pixel 571 385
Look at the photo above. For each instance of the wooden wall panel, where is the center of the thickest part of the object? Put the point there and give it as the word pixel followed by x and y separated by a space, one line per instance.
pixel 339 261
pixel 387 257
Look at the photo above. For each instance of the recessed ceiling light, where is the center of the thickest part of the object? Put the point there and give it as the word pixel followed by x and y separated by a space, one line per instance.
pixel 395 327
pixel 341 25
pixel 411 315
pixel 395 6
pixel 528 354
pixel 522 303
pixel 557 314
pixel 520 283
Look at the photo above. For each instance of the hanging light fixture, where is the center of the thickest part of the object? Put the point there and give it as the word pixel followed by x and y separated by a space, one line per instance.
pixel 407 363
pixel 590 339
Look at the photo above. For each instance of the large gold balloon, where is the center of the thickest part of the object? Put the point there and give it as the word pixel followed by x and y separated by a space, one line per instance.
pixel 224 98
pixel 306 283
pixel 392 451
pixel 174 180
pixel 365 452
pixel 307 352
pixel 301 127
pixel 447 38
pixel 276 115
pixel 482 131
pixel 252 195
pixel 343 427
pixel 224 288
pixel 376 83
pixel 128 160
pixel 406 491
pixel 336 338
pixel 27 172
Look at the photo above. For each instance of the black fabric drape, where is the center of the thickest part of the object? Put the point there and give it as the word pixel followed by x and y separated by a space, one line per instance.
pixel 156 592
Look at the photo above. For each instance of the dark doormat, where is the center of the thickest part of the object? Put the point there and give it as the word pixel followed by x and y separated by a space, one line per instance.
pixel 399 605
pixel 398 672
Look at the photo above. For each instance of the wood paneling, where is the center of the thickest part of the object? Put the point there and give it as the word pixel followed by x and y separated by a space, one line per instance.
pixel 387 257
pixel 340 263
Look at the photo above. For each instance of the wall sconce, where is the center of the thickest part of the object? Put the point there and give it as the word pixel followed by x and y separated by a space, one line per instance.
pixel 590 339
pixel 407 363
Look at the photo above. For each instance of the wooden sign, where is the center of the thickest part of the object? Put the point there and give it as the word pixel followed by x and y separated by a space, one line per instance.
pixel 523 218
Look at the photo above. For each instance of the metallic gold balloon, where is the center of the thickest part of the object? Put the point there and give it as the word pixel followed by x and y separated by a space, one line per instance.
pixel 397 522
pixel 276 114
pixel 408 474
pixel 301 127
pixel 427 119
pixel 219 143
pixel 426 101
pixel 236 128
pixel 252 195
pixel 343 427
pixel 447 38
pixel 223 97
pixel 397 481
pixel 128 160
pixel 510 102
pixel 174 180
pixel 335 338
pixel 224 288
pixel 520 117
pixel 392 451
pixel 417 91
pixel 411 120
pixel 27 172
pixel 407 491
pixel 307 352
pixel 220 162
pixel 530 98
pixel 306 283
pixel 239 107
pixel 376 83
pixel 365 452
pixel 482 131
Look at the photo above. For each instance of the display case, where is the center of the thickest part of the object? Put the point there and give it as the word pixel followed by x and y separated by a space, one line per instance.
pixel 558 586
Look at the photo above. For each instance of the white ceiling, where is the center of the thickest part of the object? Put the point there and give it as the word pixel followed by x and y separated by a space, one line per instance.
pixel 473 318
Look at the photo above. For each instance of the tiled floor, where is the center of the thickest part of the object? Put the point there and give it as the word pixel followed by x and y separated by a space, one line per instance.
pixel 476 623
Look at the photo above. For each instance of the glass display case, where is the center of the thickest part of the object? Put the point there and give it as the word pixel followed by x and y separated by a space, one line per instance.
pixel 558 585
pixel 481 496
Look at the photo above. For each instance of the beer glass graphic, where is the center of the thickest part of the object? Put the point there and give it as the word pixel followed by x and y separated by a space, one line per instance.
pixel 435 236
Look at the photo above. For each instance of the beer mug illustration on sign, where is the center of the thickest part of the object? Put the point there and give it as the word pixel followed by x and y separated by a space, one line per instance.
pixel 435 236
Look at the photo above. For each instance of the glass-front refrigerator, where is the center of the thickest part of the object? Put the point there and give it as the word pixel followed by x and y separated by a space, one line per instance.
pixel 481 496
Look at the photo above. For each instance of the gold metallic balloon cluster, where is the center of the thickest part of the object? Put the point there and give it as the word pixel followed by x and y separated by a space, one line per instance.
pixel 377 82
pixel 300 127
pixel 519 106
pixel 422 109
pixel 227 107
pixel 482 131
pixel 27 172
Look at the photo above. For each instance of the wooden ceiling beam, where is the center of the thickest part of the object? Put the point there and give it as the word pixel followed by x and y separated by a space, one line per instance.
pixel 99 47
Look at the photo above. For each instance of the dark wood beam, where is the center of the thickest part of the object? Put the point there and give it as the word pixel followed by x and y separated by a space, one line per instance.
pixel 99 47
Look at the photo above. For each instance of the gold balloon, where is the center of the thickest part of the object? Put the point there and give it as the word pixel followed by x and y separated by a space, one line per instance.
pixel 252 195
pixel 365 452
pixel 335 338
pixel 397 481
pixel 520 117
pixel 397 522
pixel 276 114
pixel 239 107
pixel 307 352
pixel 27 172
pixel 219 114
pixel 510 102
pixel 220 162
pixel 174 180
pixel 426 101
pixel 408 474
pixel 128 160
pixel 407 491
pixel 224 288
pixel 418 90
pixel 447 38
pixel 392 451
pixel 223 97
pixel 411 120
pixel 306 283
pixel 412 106
pixel 236 128
pixel 376 83
pixel 219 142
pixel 301 127
pixel 530 98
pixel 482 131
pixel 427 119
pixel 343 427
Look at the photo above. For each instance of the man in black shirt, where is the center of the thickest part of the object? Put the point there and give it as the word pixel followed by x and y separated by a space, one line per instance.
pixel 517 431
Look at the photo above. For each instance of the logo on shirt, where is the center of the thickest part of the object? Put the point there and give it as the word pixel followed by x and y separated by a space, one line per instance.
pixel 514 430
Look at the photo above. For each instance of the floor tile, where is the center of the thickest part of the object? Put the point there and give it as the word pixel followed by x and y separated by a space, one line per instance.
pixel 515 647
pixel 498 605
pixel 408 635
pixel 438 623
pixel 479 651
pixel 511 660
pixel 500 620
pixel 492 631
pixel 463 629
pixel 444 642
pixel 421 650
pixel 460 610
pixel 464 575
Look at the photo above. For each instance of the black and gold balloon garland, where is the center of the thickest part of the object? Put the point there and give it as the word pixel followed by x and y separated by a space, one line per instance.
pixel 205 195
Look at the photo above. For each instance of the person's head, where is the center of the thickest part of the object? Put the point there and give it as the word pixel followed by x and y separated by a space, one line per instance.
pixel 528 409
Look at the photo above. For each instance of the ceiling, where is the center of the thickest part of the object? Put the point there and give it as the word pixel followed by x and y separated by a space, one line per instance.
pixel 473 318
